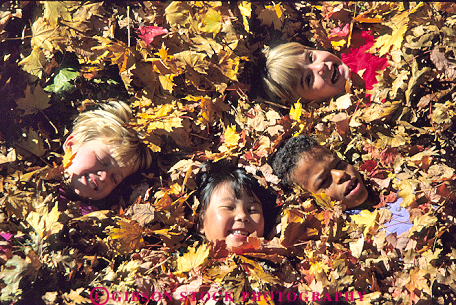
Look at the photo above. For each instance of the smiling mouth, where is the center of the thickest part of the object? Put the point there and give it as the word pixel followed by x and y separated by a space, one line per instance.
pixel 90 182
pixel 239 232
pixel 335 74
pixel 353 184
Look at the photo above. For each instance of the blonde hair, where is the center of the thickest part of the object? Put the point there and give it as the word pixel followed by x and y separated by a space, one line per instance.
pixel 108 124
pixel 283 71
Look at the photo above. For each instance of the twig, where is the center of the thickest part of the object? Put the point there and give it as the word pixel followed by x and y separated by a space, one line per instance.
pixel 128 24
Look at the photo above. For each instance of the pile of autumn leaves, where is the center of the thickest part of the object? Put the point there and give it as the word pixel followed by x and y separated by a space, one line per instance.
pixel 185 75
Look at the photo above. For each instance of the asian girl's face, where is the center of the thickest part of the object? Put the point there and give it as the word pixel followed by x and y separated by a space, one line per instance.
pixel 93 172
pixel 232 219
pixel 324 75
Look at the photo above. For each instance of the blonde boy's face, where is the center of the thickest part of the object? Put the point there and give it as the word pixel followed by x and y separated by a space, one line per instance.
pixel 93 172
pixel 232 219
pixel 324 75
pixel 320 170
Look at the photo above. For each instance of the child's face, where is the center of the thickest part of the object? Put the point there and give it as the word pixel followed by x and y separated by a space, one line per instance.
pixel 324 75
pixel 93 172
pixel 320 170
pixel 231 219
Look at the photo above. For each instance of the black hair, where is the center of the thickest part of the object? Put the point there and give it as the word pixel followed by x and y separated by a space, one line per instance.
pixel 287 157
pixel 211 174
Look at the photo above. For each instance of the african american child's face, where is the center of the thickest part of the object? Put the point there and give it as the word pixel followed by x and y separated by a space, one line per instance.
pixel 232 219
pixel 319 170
pixel 324 75
pixel 94 173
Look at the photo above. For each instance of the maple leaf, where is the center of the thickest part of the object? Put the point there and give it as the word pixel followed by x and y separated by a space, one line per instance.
pixel 296 111
pixel 443 64
pixel 34 101
pixel 58 9
pixel 34 63
pixel 45 223
pixel 33 143
pixel 193 259
pixel 359 59
pixel 129 236
pixel 212 21
pixel 272 14
pixel 368 220
pixel 178 14
pixel 245 9
pixel 231 136
pixel 148 33
pixel 68 158
pixel 417 280
pixel 399 24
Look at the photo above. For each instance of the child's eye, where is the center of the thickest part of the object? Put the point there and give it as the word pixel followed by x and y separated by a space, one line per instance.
pixel 308 80
pixel 101 161
pixel 325 183
pixel 311 57
pixel 254 211
pixel 114 178
pixel 340 164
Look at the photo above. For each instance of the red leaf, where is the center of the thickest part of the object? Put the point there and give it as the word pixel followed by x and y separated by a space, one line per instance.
pixel 148 33
pixel 359 58
pixel 340 32
pixel 368 166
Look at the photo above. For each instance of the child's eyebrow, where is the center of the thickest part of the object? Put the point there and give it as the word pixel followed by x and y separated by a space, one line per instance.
pixel 325 171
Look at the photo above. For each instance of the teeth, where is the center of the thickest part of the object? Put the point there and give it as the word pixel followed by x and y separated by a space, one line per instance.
pixel 334 74
pixel 91 183
pixel 352 187
pixel 238 232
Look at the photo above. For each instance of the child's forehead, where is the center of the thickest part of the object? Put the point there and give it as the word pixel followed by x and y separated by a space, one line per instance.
pixel 317 154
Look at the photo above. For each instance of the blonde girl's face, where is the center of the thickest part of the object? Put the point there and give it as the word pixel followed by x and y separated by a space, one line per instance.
pixel 324 75
pixel 232 219
pixel 93 172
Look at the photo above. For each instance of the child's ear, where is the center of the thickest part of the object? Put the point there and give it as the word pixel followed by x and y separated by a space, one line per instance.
pixel 68 143
pixel 201 228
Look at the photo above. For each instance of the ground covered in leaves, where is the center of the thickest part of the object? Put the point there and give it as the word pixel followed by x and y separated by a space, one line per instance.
pixel 189 72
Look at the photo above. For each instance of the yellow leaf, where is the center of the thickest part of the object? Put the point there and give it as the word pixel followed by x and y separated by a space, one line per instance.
pixel 399 24
pixel 191 259
pixel 356 247
pixel 323 200
pixel 34 101
pixel 424 221
pixel 67 158
pixel 34 63
pixel 53 10
pixel 212 21
pixel 273 14
pixel 245 8
pixel 231 137
pixel 46 37
pixel 46 224
pixel 367 219
pixel 129 235
pixel 33 143
pixel 296 111
pixel 178 14
pixel 339 43
pixel 406 192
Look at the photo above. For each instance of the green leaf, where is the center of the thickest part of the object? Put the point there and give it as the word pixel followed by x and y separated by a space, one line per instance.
pixel 62 81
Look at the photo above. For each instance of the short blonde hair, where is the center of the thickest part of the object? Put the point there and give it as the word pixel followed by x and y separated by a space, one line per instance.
pixel 108 124
pixel 283 71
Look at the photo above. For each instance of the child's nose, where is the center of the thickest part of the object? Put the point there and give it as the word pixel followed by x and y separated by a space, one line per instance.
pixel 319 67
pixel 339 176
pixel 242 216
pixel 102 175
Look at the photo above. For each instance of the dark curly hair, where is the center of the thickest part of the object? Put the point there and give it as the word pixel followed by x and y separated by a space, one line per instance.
pixel 211 174
pixel 287 157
